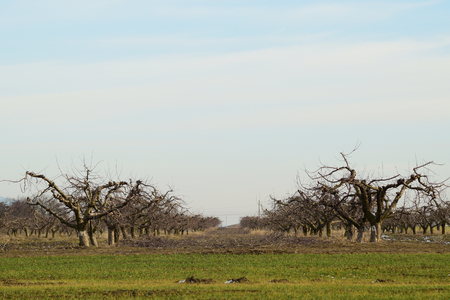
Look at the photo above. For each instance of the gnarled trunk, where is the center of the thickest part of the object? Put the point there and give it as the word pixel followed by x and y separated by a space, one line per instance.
pixel 378 231
pixel 91 233
pixel 83 238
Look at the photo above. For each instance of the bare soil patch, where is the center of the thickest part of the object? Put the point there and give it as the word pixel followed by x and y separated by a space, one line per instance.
pixel 224 241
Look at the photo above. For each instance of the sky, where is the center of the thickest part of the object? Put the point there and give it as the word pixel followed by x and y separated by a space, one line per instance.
pixel 225 102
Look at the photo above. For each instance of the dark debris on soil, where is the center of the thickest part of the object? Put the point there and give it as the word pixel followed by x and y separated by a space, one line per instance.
pixel 192 279
pixel 279 281
pixel 238 280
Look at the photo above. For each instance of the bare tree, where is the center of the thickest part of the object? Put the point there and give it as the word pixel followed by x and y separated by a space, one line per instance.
pixel 142 213
pixel 18 217
pixel 85 195
pixel 377 197
pixel 252 222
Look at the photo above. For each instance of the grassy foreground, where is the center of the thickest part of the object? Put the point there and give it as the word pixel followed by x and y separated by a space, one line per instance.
pixel 270 276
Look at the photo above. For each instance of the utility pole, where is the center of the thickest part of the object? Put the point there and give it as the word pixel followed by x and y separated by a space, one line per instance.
pixel 259 208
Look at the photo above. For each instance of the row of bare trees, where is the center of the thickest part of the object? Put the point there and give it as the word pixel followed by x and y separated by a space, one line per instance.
pixel 359 202
pixel 21 217
pixel 88 204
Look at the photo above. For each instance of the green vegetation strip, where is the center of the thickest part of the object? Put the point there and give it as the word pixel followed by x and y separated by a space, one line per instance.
pixel 280 276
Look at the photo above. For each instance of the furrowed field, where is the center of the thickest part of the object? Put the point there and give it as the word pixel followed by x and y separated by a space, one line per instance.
pixel 296 268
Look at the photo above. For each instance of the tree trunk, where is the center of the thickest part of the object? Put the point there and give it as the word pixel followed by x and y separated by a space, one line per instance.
pixel 350 231
pixel 111 239
pixel 124 232
pixel 329 229
pixel 373 234
pixel 116 235
pixel 378 231
pixel 83 237
pixel 91 233
pixel 443 227
pixel 305 230
pixel 93 240
pixel 133 232
pixel 360 235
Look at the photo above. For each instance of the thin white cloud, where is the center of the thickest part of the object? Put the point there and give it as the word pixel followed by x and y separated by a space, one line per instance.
pixel 318 82
pixel 305 61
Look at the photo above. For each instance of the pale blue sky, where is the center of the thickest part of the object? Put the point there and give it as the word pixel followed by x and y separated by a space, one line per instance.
pixel 223 100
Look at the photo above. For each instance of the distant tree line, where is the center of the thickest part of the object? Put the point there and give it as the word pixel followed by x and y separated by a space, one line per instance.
pixel 340 197
pixel 88 204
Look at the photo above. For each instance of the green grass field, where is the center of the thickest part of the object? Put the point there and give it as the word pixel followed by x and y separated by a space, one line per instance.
pixel 155 276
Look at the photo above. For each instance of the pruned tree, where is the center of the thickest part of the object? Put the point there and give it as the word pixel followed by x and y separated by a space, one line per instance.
pixel 377 197
pixel 253 222
pixel 282 217
pixel 85 196
pixel 441 211
pixel 18 217
pixel 307 208
pixel 142 213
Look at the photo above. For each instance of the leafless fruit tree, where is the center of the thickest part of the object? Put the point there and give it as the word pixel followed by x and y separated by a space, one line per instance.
pixel 377 197
pixel 85 196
